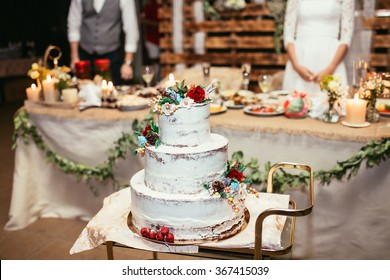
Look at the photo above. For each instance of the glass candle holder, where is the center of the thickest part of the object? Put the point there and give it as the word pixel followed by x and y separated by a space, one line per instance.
pixel 83 70
pixel 102 68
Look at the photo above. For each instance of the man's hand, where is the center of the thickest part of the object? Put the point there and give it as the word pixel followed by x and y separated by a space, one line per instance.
pixel 126 72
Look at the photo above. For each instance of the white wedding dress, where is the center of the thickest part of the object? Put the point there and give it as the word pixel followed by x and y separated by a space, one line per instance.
pixel 317 28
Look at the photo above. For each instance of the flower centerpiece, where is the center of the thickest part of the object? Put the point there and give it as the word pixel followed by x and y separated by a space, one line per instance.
pixel 335 89
pixel 180 95
pixel 60 75
pixel 372 86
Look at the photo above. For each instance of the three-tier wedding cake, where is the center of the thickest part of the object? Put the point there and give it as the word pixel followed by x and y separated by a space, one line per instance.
pixel 186 185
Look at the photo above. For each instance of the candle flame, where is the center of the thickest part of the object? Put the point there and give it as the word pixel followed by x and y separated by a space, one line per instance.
pixel 48 78
pixel 33 86
pixel 172 78
pixel 104 83
pixel 356 97
pixel 110 84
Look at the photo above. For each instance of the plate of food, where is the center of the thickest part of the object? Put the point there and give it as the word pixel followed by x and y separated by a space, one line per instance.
pixel 147 92
pixel 132 103
pixel 276 94
pixel 239 99
pixel 383 107
pixel 264 110
pixel 217 109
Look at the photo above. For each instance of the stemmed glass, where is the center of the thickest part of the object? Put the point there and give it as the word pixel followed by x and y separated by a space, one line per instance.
pixel 148 74
pixel 206 70
pixel 361 68
pixel 265 82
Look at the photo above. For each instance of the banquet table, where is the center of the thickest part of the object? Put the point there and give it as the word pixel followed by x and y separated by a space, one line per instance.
pixel 350 218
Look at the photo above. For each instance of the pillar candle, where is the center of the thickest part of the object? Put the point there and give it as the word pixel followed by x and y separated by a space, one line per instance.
pixel 49 91
pixel 70 95
pixel 356 110
pixel 33 93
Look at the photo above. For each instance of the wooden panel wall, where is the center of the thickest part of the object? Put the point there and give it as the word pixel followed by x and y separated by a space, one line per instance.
pixel 380 48
pixel 235 39
pixel 247 36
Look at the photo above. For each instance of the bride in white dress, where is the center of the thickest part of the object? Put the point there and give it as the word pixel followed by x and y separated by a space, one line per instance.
pixel 317 34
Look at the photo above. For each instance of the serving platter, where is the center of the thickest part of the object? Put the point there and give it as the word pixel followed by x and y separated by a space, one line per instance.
pixel 250 110
pixel 217 110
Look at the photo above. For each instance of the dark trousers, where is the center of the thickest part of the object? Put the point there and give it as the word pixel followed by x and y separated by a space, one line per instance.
pixel 116 60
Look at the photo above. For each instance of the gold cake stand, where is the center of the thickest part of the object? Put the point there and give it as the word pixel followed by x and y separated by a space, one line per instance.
pixel 236 230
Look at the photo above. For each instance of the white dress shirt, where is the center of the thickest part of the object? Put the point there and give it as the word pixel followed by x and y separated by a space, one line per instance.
pixel 129 21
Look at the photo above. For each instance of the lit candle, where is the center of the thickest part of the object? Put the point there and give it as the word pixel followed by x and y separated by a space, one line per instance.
pixel 49 91
pixel 356 110
pixel 33 93
pixel 110 87
pixel 171 82
pixel 70 95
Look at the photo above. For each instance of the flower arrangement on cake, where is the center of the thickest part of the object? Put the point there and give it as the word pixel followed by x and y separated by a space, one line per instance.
pixel 148 136
pixel 234 180
pixel 180 95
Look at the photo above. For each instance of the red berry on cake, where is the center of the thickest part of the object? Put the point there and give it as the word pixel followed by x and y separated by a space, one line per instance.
pixel 164 231
pixel 160 236
pixel 145 232
pixel 152 234
pixel 170 238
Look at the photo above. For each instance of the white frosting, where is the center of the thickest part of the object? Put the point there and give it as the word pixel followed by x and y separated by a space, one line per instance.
pixel 185 127
pixel 185 169
pixel 169 191
pixel 189 217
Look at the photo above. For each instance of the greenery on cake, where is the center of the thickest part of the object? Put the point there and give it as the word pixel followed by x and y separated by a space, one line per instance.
pixel 233 180
pixel 148 136
pixel 180 95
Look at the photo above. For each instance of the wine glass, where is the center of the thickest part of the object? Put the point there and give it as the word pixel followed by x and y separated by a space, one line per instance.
pixel 206 70
pixel 361 68
pixel 148 74
pixel 265 82
pixel 246 68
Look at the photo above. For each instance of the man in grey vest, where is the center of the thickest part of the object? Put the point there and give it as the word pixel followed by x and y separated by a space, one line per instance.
pixel 94 32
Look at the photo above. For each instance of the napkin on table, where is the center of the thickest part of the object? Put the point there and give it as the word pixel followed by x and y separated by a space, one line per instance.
pixel 90 94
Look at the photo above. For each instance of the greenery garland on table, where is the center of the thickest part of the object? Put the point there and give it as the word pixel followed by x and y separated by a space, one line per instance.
pixel 102 173
pixel 374 152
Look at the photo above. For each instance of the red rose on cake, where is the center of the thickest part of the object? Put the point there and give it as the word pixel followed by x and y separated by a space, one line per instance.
pixel 236 174
pixel 197 94
pixel 146 130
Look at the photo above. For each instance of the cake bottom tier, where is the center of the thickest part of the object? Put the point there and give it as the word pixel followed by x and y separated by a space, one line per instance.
pixel 189 217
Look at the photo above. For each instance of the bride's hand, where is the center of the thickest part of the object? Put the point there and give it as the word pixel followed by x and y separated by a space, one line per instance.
pixel 318 77
pixel 305 73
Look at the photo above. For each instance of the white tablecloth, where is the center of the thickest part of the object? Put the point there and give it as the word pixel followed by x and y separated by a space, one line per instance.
pixel 40 189
pixel 350 220
pixel 110 224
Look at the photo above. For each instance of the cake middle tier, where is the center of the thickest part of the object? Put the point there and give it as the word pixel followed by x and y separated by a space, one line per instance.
pixel 185 169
